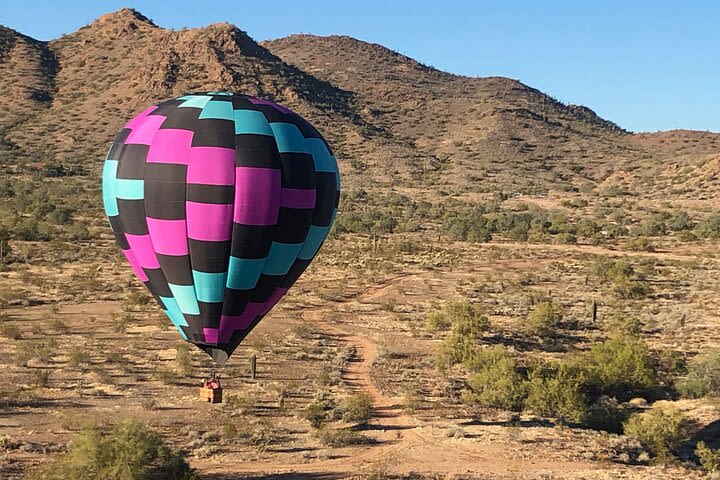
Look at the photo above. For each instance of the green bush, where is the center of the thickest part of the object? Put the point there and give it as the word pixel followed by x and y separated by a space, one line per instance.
pixel 453 350
pixel 606 414
pixel 436 321
pixel 357 408
pixel 710 227
pixel 340 437
pixel 319 410
pixel 709 457
pixel 544 318
pixel 681 221
pixel 641 244
pixel 661 430
pixel 467 319
pixel 464 318
pixel 129 452
pixel 496 381
pixel 703 377
pixel 555 390
pixel 621 367
pixel 470 225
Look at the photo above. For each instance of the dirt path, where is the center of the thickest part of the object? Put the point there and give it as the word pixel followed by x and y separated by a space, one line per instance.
pixel 403 443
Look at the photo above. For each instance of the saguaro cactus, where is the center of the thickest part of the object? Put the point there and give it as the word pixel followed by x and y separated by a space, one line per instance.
pixel 253 366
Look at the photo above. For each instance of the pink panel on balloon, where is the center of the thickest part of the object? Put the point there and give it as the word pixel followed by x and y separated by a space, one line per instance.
pixel 142 248
pixel 209 221
pixel 211 335
pixel 228 324
pixel 257 195
pixel 137 120
pixel 169 237
pixel 211 166
pixel 135 265
pixel 145 130
pixel 170 146
pixel 262 101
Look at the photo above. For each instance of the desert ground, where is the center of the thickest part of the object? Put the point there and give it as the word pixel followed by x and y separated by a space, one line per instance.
pixel 84 343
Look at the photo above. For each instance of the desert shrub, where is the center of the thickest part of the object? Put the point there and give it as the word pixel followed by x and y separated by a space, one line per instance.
pixel 78 356
pixel 241 402
pixel 641 244
pixel 653 226
pixel 556 390
pixel 681 221
pixel 496 381
pixel 661 431
pixel 339 437
pixel 40 378
pixel 470 225
pixel 703 376
pixel 621 367
pixel 184 358
pixel 467 319
pixel 357 408
pixel 544 318
pixel 626 324
pixel 436 321
pixel 464 317
pixel 453 350
pixel 319 410
pixel 130 451
pixel 710 227
pixel 631 289
pixel 606 414
pixel 709 457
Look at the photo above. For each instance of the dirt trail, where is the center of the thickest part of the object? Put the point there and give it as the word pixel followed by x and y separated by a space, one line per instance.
pixel 403 443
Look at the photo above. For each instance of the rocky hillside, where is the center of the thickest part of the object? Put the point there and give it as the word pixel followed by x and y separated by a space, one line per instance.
pixel 393 121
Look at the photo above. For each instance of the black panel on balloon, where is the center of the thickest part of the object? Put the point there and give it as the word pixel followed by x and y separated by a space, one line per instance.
pixel 118 144
pixel 181 119
pixel 176 268
pixel 157 279
pixel 251 241
pixel 326 198
pixel 221 194
pixel 256 151
pixel 132 161
pixel 211 132
pixel 211 257
pixel 298 170
pixel 293 225
pixel 132 213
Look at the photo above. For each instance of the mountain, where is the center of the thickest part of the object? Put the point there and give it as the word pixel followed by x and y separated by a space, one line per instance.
pixel 393 121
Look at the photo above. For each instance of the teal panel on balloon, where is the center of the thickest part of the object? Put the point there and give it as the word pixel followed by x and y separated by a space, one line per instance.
pixel 209 287
pixel 109 191
pixel 243 273
pixel 185 298
pixel 219 110
pixel 288 138
pixel 281 258
pixel 252 122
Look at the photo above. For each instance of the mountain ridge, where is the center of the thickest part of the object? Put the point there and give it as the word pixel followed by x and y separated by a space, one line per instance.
pixel 392 120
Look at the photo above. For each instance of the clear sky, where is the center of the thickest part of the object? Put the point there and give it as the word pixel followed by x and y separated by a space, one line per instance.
pixel 647 65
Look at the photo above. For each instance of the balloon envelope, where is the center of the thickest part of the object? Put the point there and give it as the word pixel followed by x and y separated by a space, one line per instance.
pixel 219 202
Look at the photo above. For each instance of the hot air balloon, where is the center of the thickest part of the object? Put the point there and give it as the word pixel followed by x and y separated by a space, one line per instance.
pixel 219 202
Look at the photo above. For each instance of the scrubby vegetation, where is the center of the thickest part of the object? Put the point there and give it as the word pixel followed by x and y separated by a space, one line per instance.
pixel 661 430
pixel 703 376
pixel 129 451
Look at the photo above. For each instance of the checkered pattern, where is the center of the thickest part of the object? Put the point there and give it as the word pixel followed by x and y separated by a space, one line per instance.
pixel 219 202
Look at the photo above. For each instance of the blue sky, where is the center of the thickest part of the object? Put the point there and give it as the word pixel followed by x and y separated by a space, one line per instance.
pixel 647 65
